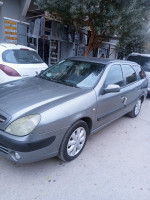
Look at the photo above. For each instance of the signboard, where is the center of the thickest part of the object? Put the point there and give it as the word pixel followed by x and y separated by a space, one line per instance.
pixel 10 31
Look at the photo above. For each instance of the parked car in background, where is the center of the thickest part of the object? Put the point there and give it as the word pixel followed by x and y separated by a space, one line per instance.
pixel 59 108
pixel 144 61
pixel 17 61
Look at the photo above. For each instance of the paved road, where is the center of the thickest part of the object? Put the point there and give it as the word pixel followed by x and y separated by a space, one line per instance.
pixel 115 165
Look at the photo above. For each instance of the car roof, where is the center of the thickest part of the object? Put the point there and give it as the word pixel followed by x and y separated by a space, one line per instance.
pixel 105 61
pixel 139 54
pixel 15 46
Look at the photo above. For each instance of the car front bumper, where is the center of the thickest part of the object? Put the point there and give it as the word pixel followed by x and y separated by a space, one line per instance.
pixel 23 150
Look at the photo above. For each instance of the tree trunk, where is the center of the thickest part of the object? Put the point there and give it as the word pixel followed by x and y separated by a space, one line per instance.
pixel 93 43
pixel 93 40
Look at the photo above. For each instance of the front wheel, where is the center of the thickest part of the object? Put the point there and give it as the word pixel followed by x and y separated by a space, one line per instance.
pixel 136 109
pixel 74 141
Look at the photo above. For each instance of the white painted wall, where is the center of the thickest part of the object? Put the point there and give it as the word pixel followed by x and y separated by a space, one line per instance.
pixel 12 9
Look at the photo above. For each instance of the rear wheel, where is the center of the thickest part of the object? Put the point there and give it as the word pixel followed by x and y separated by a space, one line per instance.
pixel 74 141
pixel 148 95
pixel 136 109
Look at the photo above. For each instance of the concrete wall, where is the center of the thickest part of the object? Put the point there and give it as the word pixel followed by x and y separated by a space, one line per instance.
pixel 10 9
pixel 14 9
pixel 113 52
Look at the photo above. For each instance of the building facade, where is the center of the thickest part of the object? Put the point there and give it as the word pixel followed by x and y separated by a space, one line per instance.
pixel 22 23
pixel 13 23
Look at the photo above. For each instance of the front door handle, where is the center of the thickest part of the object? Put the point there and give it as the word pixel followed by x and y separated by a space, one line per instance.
pixel 124 100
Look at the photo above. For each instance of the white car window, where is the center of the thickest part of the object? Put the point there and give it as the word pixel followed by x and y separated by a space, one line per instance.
pixel 21 56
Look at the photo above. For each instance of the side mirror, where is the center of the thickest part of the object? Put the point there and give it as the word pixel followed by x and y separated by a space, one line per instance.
pixel 112 88
pixel 38 74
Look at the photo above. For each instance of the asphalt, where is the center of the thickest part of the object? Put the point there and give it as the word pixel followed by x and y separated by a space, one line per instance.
pixel 115 165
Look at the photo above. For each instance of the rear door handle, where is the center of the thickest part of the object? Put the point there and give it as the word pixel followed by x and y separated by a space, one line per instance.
pixel 138 89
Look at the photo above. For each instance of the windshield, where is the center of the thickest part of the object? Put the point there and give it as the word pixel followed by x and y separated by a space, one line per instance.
pixel 141 60
pixel 21 56
pixel 74 73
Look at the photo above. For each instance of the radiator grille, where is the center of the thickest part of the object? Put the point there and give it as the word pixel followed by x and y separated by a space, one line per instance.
pixel 3 149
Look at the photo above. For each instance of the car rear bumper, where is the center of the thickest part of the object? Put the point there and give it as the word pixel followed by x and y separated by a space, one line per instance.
pixel 5 78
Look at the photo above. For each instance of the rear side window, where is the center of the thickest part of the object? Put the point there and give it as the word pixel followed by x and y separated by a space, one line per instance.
pixel 129 74
pixel 21 56
pixel 140 72
pixel 114 76
pixel 141 60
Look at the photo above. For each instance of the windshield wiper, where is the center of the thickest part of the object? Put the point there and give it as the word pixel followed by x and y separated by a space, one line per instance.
pixel 64 82
pixel 58 81
pixel 43 77
pixel 69 83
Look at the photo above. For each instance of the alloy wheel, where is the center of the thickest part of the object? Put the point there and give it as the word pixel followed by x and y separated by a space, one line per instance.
pixel 138 107
pixel 76 141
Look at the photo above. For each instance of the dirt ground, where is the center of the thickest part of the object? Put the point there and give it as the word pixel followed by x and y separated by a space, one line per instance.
pixel 115 165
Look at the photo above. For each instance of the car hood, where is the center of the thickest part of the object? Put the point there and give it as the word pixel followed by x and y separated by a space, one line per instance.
pixel 22 96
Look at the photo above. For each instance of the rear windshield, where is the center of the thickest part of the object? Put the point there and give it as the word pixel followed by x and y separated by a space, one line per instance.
pixel 141 60
pixel 21 56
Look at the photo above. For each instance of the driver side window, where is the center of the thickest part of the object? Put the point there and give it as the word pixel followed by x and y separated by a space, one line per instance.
pixel 114 76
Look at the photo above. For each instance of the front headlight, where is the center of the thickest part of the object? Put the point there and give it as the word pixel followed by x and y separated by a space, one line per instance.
pixel 24 125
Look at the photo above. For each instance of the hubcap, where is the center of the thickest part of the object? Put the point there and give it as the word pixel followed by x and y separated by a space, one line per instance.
pixel 137 107
pixel 76 141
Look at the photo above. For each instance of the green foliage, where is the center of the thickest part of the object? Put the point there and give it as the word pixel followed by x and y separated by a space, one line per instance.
pixel 127 19
pixel 133 30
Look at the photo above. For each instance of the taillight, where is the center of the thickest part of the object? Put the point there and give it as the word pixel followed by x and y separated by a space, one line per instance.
pixel 9 71
pixel 142 74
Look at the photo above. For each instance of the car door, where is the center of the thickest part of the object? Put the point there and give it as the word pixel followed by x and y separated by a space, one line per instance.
pixel 110 106
pixel 132 89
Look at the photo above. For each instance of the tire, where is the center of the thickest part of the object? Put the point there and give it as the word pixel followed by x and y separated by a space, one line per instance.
pixel 148 95
pixel 136 109
pixel 74 141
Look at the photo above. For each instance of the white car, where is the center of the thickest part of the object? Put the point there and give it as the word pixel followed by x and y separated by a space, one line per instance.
pixel 17 61
pixel 144 61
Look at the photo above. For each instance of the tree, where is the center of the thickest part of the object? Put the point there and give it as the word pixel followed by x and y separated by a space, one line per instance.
pixel 134 29
pixel 105 18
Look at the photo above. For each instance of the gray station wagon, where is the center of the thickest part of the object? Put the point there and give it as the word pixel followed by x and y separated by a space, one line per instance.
pixel 53 113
